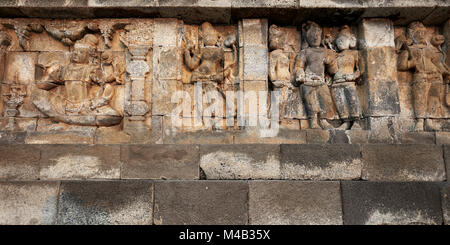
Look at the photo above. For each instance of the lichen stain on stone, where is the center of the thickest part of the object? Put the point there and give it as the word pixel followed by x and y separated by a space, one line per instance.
pixel 73 166
pixel 401 217
pixel 345 170
pixel 234 165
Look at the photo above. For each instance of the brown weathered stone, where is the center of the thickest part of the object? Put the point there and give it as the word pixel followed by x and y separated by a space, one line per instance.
pixel 19 162
pixel 79 162
pixel 403 163
pixel 28 203
pixel 106 203
pixel 160 162
pixel 205 202
pixel 294 203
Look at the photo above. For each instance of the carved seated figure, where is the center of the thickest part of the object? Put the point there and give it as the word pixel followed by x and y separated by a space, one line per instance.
pixel 312 63
pixel 72 105
pixel 206 61
pixel 424 60
pixel 345 79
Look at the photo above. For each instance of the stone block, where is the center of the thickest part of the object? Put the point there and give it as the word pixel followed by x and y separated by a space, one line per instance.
pixel 443 138
pixel 317 136
pixel 165 33
pixel 28 203
pixel 255 63
pixel 160 162
pixel 403 163
pixel 294 203
pixel 61 137
pixel 264 4
pixel 377 32
pixel 384 203
pixel 321 162
pixel 19 162
pixel 255 32
pixel 80 162
pixel 284 136
pixel 445 191
pixel 380 64
pixel 106 203
pixel 240 161
pixel 447 160
pixel 112 3
pixel 57 3
pixel 8 137
pixel 162 93
pixel 111 135
pixel 357 136
pixel 201 203
pixel 417 138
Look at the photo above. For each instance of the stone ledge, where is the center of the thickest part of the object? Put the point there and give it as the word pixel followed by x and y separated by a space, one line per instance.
pixel 283 11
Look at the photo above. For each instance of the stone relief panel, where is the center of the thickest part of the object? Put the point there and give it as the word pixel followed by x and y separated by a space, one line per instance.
pixel 423 76
pixel 121 75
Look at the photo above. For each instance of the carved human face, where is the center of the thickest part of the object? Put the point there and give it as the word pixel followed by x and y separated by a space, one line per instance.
pixel 209 35
pixel 276 41
pixel 314 36
pixel 344 42
pixel 80 56
pixel 420 35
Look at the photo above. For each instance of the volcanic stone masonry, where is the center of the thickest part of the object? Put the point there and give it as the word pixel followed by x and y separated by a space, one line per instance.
pixel 224 112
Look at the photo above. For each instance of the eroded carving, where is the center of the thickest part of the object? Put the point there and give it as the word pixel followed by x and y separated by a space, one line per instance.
pixel 66 89
pixel 346 78
pixel 314 66
pixel 419 54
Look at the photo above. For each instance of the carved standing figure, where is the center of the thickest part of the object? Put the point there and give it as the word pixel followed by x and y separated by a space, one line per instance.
pixel 423 59
pixel 345 80
pixel 280 72
pixel 312 64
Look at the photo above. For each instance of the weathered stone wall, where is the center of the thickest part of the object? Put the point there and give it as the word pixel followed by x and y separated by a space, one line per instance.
pixel 151 112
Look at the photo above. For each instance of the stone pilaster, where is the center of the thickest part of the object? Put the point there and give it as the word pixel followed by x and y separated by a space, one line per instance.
pixel 379 93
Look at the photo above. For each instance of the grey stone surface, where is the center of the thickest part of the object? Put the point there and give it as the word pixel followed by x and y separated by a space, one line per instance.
pixel 443 138
pixel 80 162
pixel 201 202
pixel 294 203
pixel 28 203
pixel 316 136
pixel 240 161
pixel 160 162
pixel 321 162
pixel 403 163
pixel 7 137
pixel 445 191
pixel 19 162
pixel 106 202
pixel 376 203
pixel 447 160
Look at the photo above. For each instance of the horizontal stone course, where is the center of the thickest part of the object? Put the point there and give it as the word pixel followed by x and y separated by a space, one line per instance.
pixel 223 202
pixel 225 11
pixel 19 162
